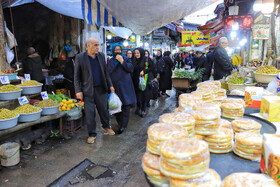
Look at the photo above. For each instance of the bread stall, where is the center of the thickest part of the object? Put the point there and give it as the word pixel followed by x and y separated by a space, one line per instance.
pixel 217 142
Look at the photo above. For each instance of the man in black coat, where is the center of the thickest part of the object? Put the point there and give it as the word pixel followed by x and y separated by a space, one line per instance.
pixel 210 61
pixel 202 63
pixel 222 64
pixel 33 65
pixel 92 83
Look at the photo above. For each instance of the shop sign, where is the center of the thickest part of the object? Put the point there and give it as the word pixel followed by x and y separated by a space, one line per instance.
pixel 255 44
pixel 195 38
pixel 261 31
pixel 159 32
pixel 171 27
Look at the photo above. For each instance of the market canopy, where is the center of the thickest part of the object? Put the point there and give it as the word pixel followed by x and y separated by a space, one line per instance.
pixel 96 13
pixel 142 17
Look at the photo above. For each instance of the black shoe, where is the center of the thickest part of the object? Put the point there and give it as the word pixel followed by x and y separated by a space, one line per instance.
pixel 143 114
pixel 120 131
pixel 167 95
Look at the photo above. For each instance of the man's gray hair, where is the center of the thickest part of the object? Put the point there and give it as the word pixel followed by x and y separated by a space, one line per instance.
pixel 90 40
pixel 222 39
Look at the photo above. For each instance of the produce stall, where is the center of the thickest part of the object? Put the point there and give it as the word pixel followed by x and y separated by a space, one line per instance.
pixel 252 75
pixel 207 139
pixel 17 114
pixel 185 81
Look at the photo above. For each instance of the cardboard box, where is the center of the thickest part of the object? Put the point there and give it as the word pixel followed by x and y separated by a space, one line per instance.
pixel 270 108
pixel 253 96
pixel 270 160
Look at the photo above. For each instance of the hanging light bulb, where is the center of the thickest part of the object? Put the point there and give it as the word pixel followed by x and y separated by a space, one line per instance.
pixel 233 34
pixel 140 43
pixel 257 5
pixel 133 37
pixel 146 44
pixel 109 36
pixel 125 43
pixel 243 42
pixel 267 6
pixel 235 26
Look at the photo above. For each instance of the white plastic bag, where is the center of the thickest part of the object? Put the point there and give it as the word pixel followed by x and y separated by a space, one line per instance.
pixel 9 53
pixel 142 83
pixel 115 104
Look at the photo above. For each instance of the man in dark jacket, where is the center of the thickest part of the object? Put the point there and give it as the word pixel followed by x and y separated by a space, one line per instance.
pixel 210 61
pixel 222 64
pixel 202 63
pixel 92 83
pixel 33 65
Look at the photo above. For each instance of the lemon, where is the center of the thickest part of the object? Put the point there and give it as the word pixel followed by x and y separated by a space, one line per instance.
pixel 64 101
pixel 64 108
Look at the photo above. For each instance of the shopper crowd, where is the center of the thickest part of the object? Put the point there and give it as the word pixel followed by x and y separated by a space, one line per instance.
pixel 135 78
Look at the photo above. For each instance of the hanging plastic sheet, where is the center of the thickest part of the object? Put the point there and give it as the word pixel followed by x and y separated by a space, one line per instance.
pixel 72 8
pixel 142 17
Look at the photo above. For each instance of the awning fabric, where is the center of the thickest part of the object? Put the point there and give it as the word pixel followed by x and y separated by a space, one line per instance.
pixel 143 17
pixel 95 13
pixel 212 26
pixel 5 3
pixel 72 8
pixel 119 31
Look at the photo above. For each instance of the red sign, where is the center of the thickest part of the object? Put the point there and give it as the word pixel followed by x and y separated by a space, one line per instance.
pixel 245 22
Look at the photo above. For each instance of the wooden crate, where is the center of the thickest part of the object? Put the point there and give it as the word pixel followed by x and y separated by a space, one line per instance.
pixel 181 82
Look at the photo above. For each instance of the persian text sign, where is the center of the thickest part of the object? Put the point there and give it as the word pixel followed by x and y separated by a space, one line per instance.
pixel 195 38
pixel 261 31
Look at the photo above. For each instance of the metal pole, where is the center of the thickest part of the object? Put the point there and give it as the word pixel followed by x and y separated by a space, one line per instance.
pixel 3 61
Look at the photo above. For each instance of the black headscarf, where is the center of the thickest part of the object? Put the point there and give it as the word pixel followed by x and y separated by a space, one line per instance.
pixel 166 53
pixel 148 53
pixel 132 54
pixel 142 55
pixel 159 57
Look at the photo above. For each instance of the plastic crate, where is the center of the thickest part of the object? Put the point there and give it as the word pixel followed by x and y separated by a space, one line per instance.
pixel 72 126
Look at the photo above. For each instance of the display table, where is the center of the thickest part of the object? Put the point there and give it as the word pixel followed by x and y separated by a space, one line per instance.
pixel 277 124
pixel 43 119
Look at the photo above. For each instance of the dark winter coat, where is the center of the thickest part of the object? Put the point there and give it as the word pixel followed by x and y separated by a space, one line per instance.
pixel 210 61
pixel 33 66
pixel 121 79
pixel 83 79
pixel 222 64
pixel 165 81
pixel 202 63
pixel 188 61
pixel 179 61
pixel 139 65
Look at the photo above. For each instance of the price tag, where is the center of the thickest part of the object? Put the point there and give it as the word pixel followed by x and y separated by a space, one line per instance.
pixel 27 77
pixel 23 100
pixel 4 80
pixel 44 95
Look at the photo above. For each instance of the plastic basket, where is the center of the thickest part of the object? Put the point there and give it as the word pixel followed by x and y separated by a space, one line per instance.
pixel 72 126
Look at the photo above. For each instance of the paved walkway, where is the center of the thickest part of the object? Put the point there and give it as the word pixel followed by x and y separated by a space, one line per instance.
pixel 43 164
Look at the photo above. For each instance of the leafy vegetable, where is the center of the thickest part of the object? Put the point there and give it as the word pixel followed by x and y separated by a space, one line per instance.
pixel 189 75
